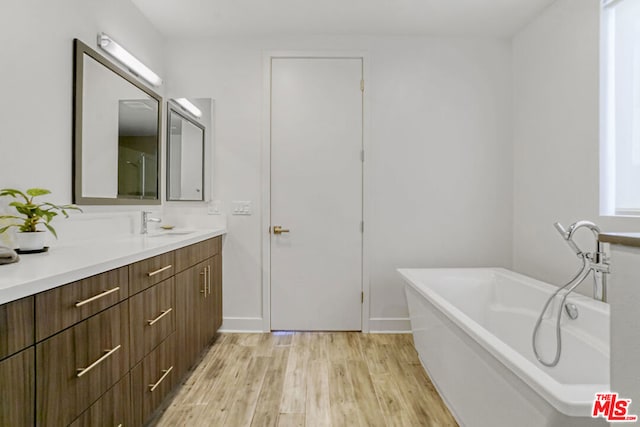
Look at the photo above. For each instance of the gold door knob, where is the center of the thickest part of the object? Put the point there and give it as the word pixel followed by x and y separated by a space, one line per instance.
pixel 279 230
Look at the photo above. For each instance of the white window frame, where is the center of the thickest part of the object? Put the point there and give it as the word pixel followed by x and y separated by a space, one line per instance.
pixel 608 184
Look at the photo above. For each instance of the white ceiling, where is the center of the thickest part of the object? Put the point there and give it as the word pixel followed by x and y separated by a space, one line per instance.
pixel 204 18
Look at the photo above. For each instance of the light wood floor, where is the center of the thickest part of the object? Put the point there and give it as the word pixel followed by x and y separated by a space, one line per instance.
pixel 308 379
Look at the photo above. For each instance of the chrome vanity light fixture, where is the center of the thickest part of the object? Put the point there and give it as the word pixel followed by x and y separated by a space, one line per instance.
pixel 185 104
pixel 134 65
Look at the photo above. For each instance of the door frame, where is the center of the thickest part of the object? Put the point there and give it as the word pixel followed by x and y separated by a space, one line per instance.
pixel 267 57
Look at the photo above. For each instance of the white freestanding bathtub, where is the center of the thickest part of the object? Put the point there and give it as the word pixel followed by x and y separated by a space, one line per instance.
pixel 472 330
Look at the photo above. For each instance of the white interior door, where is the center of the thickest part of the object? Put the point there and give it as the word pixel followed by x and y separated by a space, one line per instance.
pixel 316 193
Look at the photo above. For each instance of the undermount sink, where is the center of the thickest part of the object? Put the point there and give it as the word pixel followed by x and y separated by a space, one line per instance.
pixel 169 233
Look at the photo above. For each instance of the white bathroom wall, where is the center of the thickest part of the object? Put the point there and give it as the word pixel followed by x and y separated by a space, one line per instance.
pixel 556 145
pixel 439 166
pixel 36 81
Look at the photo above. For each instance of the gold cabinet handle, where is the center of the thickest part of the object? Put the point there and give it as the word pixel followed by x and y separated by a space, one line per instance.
pixel 204 282
pixel 153 273
pixel 279 230
pixel 164 313
pixel 93 298
pixel 82 371
pixel 165 372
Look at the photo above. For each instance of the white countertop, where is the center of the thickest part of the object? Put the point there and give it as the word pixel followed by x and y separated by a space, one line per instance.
pixel 71 262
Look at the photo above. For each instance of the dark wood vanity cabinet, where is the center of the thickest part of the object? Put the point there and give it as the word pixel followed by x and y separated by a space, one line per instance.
pixel 153 379
pixel 190 290
pixel 198 300
pixel 108 349
pixel 16 326
pixel 17 363
pixel 67 305
pixel 17 389
pixel 216 301
pixel 112 409
pixel 152 317
pixel 150 271
pixel 77 366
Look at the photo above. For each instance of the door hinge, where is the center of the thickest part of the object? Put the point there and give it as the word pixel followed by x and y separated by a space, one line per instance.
pixel 362 297
pixel 362 85
pixel 362 156
pixel 362 226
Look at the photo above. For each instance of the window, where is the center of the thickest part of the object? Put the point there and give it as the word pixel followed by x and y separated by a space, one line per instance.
pixel 620 108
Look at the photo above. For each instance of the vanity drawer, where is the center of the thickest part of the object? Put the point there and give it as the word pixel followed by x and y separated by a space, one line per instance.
pixel 150 271
pixel 153 318
pixel 67 305
pixel 198 252
pixel 152 380
pixel 78 365
pixel 112 409
pixel 16 326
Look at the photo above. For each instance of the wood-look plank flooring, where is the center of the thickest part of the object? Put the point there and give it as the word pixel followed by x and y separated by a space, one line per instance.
pixel 308 379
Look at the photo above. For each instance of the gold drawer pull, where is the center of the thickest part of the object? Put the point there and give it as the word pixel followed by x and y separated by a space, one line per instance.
pixel 152 387
pixel 82 371
pixel 164 313
pixel 104 294
pixel 153 273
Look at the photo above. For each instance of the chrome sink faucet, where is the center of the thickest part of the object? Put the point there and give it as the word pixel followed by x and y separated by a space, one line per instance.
pixel 597 260
pixel 145 220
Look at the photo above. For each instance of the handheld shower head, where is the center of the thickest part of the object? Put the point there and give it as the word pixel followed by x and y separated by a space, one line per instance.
pixel 567 236
pixel 561 230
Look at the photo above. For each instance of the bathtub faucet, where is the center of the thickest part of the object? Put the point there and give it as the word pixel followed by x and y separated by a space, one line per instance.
pixel 597 260
pixel 591 262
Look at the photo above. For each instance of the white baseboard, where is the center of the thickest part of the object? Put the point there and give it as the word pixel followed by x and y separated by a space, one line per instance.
pixel 242 324
pixel 389 325
pixel 378 325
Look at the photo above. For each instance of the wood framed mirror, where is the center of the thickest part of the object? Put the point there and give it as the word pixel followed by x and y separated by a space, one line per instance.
pixel 116 134
pixel 185 156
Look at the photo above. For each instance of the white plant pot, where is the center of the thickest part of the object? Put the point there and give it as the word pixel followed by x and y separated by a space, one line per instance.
pixel 30 241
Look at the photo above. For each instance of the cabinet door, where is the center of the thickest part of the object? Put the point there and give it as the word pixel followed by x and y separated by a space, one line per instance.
pixel 17 389
pixel 78 365
pixel 217 291
pixel 190 292
pixel 211 308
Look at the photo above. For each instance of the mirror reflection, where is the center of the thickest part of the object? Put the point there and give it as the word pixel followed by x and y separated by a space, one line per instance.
pixel 116 135
pixel 138 148
pixel 186 151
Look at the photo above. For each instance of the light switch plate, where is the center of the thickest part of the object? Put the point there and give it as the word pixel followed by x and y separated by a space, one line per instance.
pixel 241 207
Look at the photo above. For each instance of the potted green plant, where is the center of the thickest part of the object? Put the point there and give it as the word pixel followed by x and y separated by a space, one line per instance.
pixel 32 213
